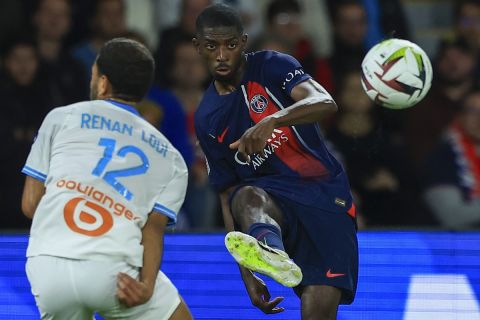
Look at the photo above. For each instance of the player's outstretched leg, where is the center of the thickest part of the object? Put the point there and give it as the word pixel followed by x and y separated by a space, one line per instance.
pixel 259 247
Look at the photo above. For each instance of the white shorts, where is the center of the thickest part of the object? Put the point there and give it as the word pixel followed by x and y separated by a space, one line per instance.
pixel 69 289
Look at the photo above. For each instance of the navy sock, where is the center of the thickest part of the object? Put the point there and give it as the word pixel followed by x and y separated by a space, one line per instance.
pixel 267 233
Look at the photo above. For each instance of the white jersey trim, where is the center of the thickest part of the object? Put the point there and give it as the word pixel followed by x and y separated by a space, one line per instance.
pixel 34 173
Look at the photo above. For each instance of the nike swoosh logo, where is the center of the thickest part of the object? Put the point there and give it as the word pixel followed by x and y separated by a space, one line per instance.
pixel 334 275
pixel 220 137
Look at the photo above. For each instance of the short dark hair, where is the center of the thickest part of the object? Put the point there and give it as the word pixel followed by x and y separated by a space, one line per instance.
pixel 218 15
pixel 129 67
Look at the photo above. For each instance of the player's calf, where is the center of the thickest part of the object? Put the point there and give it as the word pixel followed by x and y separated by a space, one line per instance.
pixel 320 302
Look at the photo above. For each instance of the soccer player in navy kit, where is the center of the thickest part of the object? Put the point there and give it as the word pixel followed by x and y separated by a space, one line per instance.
pixel 278 183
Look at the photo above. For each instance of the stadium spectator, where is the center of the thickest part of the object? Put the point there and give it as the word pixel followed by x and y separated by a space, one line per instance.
pixel 64 76
pixel 190 9
pixel 467 20
pixel 453 78
pixel 284 20
pixel 384 18
pixel 452 171
pixel 107 22
pixel 24 104
pixel 377 170
pixel 317 24
pixel 350 28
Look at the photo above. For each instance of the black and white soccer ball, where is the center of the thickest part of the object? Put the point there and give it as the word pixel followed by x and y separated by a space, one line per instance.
pixel 396 74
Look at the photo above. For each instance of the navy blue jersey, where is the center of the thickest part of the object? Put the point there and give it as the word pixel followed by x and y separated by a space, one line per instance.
pixel 296 165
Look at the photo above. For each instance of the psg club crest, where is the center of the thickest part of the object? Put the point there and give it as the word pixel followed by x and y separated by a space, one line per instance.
pixel 258 103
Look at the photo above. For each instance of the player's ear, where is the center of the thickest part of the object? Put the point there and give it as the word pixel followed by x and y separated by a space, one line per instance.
pixel 103 87
pixel 244 39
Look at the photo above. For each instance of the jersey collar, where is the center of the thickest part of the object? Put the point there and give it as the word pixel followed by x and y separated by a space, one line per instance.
pixel 124 106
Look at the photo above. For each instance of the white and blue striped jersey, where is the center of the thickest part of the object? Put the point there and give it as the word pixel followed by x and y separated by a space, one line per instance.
pixel 105 169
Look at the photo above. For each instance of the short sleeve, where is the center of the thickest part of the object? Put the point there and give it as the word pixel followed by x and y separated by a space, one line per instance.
pixel 170 200
pixel 285 71
pixel 38 161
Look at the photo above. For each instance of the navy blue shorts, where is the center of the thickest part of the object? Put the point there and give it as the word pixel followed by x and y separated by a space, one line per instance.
pixel 322 243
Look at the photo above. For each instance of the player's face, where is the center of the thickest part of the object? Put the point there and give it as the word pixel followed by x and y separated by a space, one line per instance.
pixel 222 49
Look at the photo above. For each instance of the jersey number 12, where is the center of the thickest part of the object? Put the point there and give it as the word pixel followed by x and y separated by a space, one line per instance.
pixel 111 176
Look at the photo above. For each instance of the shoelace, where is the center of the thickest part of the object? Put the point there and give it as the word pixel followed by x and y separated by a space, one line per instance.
pixel 265 247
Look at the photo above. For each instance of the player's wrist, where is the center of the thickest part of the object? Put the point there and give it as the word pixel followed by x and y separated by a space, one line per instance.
pixel 244 272
pixel 149 286
pixel 274 120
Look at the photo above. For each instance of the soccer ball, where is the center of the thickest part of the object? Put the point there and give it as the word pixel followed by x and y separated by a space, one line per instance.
pixel 396 74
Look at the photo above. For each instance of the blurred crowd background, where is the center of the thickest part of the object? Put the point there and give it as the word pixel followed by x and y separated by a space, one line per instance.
pixel 411 168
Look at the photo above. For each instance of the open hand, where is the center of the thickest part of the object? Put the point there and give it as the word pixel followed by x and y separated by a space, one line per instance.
pixel 259 295
pixel 132 292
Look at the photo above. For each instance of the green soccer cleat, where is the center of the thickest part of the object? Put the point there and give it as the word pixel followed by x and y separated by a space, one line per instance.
pixel 257 256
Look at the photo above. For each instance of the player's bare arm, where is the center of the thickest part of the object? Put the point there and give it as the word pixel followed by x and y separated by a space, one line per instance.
pixel 310 106
pixel 132 292
pixel 33 192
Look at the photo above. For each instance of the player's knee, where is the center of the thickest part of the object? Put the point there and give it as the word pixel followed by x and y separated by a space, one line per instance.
pixel 246 198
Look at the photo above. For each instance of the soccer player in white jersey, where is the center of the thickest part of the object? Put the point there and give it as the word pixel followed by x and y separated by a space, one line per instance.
pixel 102 184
